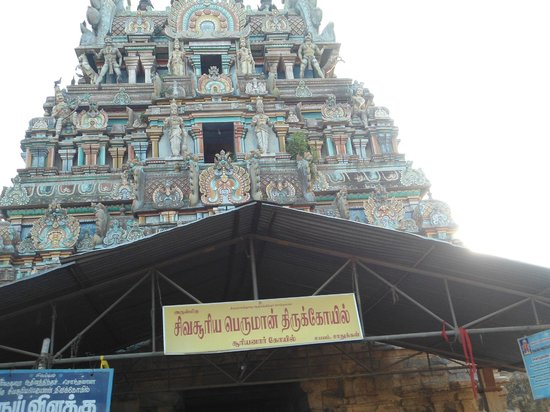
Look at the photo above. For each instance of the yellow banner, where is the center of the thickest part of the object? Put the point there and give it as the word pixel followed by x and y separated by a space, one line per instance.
pixel 248 325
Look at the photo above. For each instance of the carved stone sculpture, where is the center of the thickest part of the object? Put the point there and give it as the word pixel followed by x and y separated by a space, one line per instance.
pixel 224 183
pixel 262 127
pixel 247 65
pixel 88 73
pixel 157 86
pixel 332 111
pixel 313 16
pixel 100 15
pixel 55 230
pixel 8 237
pixel 15 195
pixel 381 210
pixel 112 60
pixel 330 65
pixel 176 62
pixel 92 119
pixel 341 202
pixel 101 223
pixel 308 53
pixel 177 134
pixel 214 83
pixel 360 106
pixel 256 88
pixel 61 112
pixel 302 90
pixel 275 23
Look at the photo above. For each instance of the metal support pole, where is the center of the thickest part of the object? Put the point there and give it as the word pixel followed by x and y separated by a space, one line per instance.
pixel 535 312
pixel 19 351
pixel 410 299
pixel 498 312
pixel 91 325
pixel 178 287
pixel 324 285
pixel 153 314
pixel 52 334
pixel 358 294
pixel 479 331
pixel 451 306
pixel 44 354
pixel 254 274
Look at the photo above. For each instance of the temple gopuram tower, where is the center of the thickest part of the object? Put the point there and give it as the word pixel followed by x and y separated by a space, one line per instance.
pixel 185 113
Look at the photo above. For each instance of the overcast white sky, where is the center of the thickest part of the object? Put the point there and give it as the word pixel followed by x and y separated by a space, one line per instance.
pixel 467 82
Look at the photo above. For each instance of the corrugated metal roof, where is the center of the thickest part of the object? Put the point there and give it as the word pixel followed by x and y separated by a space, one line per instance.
pixel 296 253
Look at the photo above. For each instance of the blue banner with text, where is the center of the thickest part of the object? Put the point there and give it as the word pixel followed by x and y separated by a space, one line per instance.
pixel 535 350
pixel 67 390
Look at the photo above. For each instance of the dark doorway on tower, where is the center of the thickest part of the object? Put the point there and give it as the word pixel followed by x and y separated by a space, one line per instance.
pixel 210 60
pixel 217 137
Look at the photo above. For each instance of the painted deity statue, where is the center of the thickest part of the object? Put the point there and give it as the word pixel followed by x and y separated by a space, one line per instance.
pixel 246 60
pixel 176 62
pixel 112 60
pixel 360 105
pixel 61 111
pixel 308 53
pixel 177 133
pixel 262 127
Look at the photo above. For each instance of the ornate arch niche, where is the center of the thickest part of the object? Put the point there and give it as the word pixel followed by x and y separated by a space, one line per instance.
pixel 206 18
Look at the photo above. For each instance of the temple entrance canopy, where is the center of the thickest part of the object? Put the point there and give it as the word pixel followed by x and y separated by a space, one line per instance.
pixel 408 288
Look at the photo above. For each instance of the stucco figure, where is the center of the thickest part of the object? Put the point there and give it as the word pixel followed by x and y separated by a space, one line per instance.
pixel 88 73
pixel 308 53
pixel 262 127
pixel 246 60
pixel 112 60
pixel 176 131
pixel 176 62
pixel 61 111
pixel 360 105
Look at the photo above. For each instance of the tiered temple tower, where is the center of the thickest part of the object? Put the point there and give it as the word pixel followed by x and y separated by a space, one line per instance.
pixel 185 113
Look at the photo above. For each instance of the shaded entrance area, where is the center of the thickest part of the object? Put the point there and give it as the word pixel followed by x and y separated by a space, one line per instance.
pixel 268 398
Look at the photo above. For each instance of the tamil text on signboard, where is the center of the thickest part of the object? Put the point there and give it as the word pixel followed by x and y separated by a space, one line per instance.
pixel 56 390
pixel 234 326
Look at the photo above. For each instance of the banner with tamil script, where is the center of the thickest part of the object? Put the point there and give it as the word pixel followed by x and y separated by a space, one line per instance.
pixel 535 350
pixel 248 325
pixel 67 390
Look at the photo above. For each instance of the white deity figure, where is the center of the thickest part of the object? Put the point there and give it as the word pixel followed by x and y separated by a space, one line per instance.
pixel 176 62
pixel 61 111
pixel 262 127
pixel 308 53
pixel 112 60
pixel 360 105
pixel 177 133
pixel 247 65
